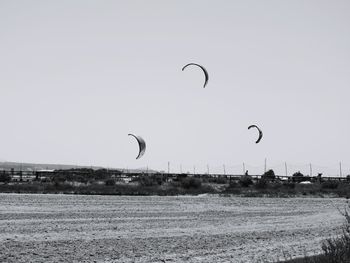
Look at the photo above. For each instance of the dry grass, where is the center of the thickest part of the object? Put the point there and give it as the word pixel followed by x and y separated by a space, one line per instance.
pixel 335 250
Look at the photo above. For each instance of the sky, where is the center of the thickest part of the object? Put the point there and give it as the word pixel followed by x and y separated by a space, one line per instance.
pixel 78 76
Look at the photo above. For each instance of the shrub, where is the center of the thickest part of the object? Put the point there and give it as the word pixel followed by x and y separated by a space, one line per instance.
pixel 329 185
pixel 218 180
pixel 233 184
pixel 110 182
pixel 5 178
pixel 343 190
pixel 338 249
pixel 151 180
pixel 191 182
pixel 270 174
pixel 298 177
pixel 277 185
pixel 335 250
pixel 100 174
pixel 81 179
pixel 147 181
pixel 180 177
pixel 262 184
pixel 298 174
pixel 59 179
pixel 57 184
pixel 289 185
pixel 245 181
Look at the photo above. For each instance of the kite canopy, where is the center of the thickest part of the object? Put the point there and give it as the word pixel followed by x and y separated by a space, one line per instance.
pixel 142 145
pixel 260 132
pixel 204 70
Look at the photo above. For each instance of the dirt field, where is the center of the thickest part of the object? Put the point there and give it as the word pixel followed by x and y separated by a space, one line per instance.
pixel 68 228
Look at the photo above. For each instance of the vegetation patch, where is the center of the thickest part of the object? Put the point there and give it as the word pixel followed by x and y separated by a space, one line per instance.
pixel 335 250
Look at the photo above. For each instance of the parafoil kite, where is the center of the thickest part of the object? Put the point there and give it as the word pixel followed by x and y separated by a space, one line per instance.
pixel 142 145
pixel 260 132
pixel 204 70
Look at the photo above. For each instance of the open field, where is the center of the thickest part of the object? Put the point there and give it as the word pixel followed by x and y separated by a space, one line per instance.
pixel 72 228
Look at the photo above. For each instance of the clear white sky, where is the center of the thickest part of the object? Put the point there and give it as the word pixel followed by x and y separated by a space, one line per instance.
pixel 77 76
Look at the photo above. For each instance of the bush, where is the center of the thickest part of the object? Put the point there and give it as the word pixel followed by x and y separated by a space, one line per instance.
pixel 270 174
pixel 100 174
pixel 59 179
pixel 343 190
pixel 289 185
pixel 233 184
pixel 245 181
pixel 180 177
pixel 191 182
pixel 329 185
pixel 335 250
pixel 218 180
pixel 151 180
pixel 298 177
pixel 338 249
pixel 298 174
pixel 277 185
pixel 110 182
pixel 147 181
pixel 5 178
pixel 262 184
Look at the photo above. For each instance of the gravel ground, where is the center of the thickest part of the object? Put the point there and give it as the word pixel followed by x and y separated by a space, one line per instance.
pixel 72 228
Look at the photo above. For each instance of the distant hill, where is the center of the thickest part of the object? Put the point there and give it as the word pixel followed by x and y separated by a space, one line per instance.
pixel 139 170
pixel 40 166
pixel 45 166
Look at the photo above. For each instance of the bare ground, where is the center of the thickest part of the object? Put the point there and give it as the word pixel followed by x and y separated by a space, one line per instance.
pixel 68 228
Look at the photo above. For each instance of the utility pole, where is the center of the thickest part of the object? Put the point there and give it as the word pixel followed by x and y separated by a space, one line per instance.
pixel 194 170
pixel 265 166
pixel 180 168
pixel 340 170
pixel 168 167
pixel 21 175
pixel 310 169
pixel 208 169
pixel 224 169
pixel 285 168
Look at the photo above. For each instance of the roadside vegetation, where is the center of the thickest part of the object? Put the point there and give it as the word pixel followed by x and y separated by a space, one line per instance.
pixel 102 181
